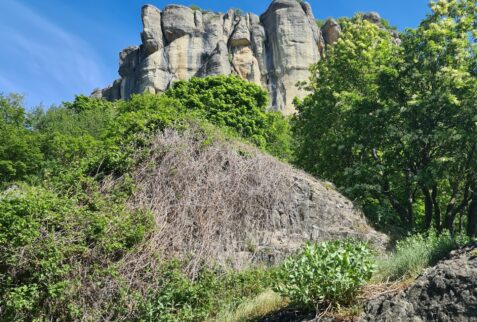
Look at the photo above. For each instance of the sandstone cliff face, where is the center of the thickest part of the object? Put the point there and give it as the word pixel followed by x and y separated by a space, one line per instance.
pixel 274 50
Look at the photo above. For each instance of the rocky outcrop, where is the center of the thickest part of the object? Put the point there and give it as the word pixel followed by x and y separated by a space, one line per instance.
pixel 446 292
pixel 331 31
pixel 226 202
pixel 274 50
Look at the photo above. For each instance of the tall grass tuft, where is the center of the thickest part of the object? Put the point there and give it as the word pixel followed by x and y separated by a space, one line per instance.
pixel 415 253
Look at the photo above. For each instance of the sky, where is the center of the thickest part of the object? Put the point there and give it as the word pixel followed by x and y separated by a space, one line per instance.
pixel 52 50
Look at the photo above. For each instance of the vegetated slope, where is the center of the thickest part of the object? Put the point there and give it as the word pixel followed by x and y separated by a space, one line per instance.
pixel 445 292
pixel 216 200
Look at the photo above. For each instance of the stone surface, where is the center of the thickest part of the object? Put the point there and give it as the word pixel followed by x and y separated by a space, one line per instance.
pixel 273 51
pixel 331 31
pixel 373 17
pixel 235 210
pixel 151 36
pixel 446 292
pixel 291 47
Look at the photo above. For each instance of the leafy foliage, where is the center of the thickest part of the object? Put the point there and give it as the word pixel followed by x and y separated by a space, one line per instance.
pixel 228 101
pixel 393 125
pixel 20 154
pixel 64 241
pixel 45 238
pixel 327 273
pixel 182 299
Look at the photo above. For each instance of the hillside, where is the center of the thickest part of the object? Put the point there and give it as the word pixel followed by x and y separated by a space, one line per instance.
pixel 207 185
pixel 229 203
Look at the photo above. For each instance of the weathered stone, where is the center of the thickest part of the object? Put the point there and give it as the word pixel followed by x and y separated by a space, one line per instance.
pixel 291 49
pixel 446 292
pixel 177 21
pixel 151 35
pixel 373 17
pixel 245 64
pixel 274 51
pixel 218 62
pixel 241 33
pixel 331 31
pixel 273 211
pixel 128 61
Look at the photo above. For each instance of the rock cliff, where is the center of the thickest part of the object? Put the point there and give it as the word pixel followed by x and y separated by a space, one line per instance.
pixel 226 202
pixel 274 50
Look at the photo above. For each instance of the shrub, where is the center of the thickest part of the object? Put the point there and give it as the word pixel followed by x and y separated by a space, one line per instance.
pixel 228 101
pixel 47 243
pixel 20 156
pixel 329 273
pixel 416 252
pixel 178 298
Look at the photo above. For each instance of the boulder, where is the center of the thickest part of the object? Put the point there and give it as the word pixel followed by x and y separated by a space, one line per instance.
pixel 445 292
pixel 291 48
pixel 151 36
pixel 230 204
pixel 241 33
pixel 177 21
pixel 331 31
pixel 373 17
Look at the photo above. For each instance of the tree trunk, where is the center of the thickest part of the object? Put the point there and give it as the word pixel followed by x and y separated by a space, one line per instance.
pixel 428 208
pixel 472 217
pixel 437 210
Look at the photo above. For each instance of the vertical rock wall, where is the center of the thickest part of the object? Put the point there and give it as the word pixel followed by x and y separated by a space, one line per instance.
pixel 274 50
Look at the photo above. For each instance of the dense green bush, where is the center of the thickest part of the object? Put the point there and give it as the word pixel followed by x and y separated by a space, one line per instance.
pixel 329 273
pixel 181 299
pixel 393 125
pixel 45 237
pixel 229 101
pixel 20 155
pixel 417 252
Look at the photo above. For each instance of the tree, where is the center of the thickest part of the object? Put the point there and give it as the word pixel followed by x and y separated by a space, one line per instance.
pixel 397 128
pixel 342 120
pixel 20 155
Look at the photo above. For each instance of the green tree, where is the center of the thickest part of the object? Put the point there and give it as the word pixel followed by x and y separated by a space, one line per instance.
pixel 340 122
pixel 20 155
pixel 397 132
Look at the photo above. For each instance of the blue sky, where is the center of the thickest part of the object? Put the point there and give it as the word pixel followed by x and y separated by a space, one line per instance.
pixel 54 49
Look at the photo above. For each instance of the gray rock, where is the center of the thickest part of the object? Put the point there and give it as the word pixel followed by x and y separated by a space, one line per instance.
pixel 331 31
pixel 151 36
pixel 218 62
pixel 237 210
pixel 177 21
pixel 291 48
pixel 446 292
pixel 241 33
pixel 373 17
pixel 274 51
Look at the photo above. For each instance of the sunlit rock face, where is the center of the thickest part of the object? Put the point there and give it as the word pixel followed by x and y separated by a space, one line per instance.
pixel 274 50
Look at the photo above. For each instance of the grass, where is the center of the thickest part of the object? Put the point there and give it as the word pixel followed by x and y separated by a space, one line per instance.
pixel 414 254
pixel 259 306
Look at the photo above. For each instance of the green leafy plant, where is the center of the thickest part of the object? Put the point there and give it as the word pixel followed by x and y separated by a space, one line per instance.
pixel 329 273
pixel 231 102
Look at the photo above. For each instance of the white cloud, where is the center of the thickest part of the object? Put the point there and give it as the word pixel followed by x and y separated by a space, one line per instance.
pixel 39 56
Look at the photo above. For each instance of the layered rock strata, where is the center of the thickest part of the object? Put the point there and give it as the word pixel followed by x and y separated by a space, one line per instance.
pixel 274 50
